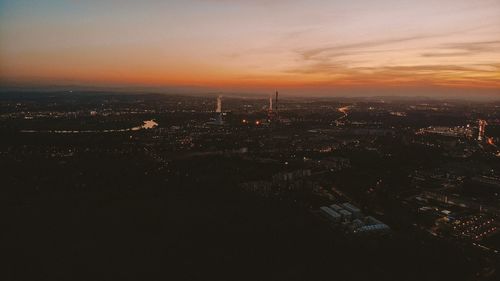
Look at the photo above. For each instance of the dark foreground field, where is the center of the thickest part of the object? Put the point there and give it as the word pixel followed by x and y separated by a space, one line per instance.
pixel 195 226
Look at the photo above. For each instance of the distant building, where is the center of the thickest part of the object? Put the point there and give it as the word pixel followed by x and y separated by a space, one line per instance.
pixel 336 207
pixel 482 128
pixel 331 214
pixel 350 218
pixel 346 215
pixel 376 228
pixel 290 176
pixel 218 109
pixel 356 213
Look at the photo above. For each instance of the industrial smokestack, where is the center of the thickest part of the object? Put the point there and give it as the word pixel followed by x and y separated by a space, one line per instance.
pixel 219 104
pixel 482 128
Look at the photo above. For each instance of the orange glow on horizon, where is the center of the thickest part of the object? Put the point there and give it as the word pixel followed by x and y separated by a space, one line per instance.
pixel 424 44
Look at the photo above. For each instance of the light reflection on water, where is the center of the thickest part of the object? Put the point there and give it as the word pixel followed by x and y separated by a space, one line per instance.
pixel 148 124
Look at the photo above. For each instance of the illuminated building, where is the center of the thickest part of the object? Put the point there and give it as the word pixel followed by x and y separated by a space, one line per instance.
pixel 219 104
pixel 482 127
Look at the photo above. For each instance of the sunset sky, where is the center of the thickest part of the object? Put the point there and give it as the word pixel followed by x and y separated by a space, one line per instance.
pixel 304 46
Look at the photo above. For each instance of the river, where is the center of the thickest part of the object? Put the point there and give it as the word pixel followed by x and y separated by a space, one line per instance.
pixel 148 124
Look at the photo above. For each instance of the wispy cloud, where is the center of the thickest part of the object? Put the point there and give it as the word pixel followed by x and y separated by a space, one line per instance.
pixel 444 57
pixel 334 50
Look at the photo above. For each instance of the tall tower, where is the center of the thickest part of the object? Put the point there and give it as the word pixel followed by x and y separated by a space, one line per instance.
pixel 276 103
pixel 482 127
pixel 270 103
pixel 219 104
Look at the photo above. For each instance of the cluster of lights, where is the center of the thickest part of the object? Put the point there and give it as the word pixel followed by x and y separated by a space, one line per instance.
pixel 245 121
pixel 474 228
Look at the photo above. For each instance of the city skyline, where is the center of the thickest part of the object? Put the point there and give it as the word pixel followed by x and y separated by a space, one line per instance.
pixel 313 47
